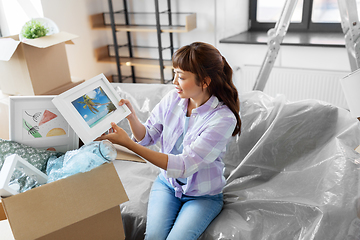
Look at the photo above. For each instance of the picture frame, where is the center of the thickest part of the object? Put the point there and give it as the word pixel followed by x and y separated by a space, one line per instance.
pixel 90 107
pixel 15 162
pixel 36 122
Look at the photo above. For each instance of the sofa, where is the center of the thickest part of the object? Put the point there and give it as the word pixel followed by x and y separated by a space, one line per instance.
pixel 293 172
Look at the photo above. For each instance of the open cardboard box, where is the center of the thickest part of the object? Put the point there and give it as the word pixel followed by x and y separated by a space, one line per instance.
pixel 82 206
pixel 35 66
pixel 5 230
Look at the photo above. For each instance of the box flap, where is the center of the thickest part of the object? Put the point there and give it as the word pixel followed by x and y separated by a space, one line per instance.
pixel 7 48
pixel 48 67
pixel 53 206
pixel 63 88
pixel 2 212
pixel 50 40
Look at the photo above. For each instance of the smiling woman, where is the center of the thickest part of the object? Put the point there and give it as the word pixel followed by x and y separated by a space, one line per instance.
pixel 14 14
pixel 193 126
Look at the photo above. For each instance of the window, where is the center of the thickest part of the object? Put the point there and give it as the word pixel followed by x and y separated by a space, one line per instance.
pixel 308 16
pixel 14 14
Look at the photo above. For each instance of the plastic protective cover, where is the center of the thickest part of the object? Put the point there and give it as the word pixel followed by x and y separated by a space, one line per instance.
pixel 292 174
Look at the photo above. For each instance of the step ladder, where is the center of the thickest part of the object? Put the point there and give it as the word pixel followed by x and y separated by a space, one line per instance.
pixel 350 26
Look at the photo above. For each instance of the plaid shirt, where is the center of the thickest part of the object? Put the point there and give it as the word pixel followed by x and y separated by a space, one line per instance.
pixel 209 130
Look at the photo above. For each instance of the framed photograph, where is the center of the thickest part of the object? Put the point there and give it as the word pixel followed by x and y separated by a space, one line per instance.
pixel 36 122
pixel 90 107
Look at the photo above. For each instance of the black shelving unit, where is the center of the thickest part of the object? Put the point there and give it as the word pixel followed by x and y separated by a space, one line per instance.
pixel 99 22
pixel 126 13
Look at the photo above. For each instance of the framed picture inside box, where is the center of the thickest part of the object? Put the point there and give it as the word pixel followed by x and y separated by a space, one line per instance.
pixel 90 107
pixel 13 169
pixel 36 122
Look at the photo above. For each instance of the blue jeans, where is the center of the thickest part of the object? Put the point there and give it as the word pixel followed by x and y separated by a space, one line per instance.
pixel 169 217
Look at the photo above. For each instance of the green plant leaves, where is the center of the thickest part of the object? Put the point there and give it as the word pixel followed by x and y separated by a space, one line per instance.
pixel 34 29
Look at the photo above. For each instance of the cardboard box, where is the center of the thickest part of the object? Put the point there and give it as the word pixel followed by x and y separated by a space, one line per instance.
pixel 82 206
pixel 5 230
pixel 35 66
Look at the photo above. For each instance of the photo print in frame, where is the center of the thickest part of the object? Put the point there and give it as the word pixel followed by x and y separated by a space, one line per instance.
pixel 36 122
pixel 90 107
pixel 94 106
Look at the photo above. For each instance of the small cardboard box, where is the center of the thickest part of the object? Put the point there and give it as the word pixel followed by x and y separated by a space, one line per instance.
pixel 35 66
pixel 82 206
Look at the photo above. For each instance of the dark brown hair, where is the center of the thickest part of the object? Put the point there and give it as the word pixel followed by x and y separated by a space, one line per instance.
pixel 204 60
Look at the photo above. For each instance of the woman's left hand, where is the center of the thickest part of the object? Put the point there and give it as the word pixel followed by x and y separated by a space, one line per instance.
pixel 117 136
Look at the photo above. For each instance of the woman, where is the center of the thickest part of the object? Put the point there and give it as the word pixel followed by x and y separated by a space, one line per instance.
pixel 193 124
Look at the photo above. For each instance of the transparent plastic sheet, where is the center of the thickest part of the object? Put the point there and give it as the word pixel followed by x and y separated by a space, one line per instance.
pixel 80 160
pixel 21 182
pixel 292 174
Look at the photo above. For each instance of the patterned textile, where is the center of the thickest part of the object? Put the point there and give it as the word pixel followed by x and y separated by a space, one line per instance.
pixel 35 156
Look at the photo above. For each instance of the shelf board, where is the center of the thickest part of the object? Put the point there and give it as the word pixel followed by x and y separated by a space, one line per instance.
pixel 98 23
pixel 126 61
pixel 102 55
pixel 128 79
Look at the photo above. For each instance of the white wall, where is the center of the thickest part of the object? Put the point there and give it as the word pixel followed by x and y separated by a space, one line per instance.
pixel 231 18
pixel 216 19
pixel 332 62
pixel 317 58
pixel 73 16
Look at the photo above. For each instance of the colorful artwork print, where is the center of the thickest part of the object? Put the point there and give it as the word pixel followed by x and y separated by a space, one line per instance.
pixel 41 123
pixel 94 106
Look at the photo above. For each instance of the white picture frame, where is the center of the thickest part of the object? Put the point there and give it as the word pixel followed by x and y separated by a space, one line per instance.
pixel 90 107
pixel 36 122
pixel 15 162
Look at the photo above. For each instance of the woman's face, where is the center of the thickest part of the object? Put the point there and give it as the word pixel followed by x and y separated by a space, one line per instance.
pixel 186 84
